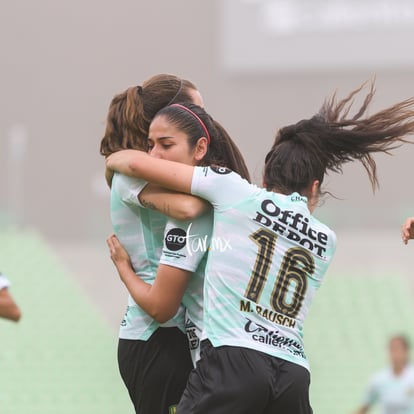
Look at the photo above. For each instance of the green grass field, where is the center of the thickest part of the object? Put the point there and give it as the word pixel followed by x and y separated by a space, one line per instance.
pixel 346 335
pixel 61 357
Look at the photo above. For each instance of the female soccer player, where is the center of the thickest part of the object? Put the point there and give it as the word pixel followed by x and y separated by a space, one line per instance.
pixel 259 285
pixel 196 139
pixel 154 359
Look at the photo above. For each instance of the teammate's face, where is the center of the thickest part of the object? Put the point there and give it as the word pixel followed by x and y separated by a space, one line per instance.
pixel 165 141
pixel 399 353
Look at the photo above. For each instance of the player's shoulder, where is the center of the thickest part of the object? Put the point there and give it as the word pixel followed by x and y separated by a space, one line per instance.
pixel 220 185
pixel 410 370
pixel 325 228
pixel 220 173
pixel 127 188
pixel 121 180
pixel 298 204
pixel 382 376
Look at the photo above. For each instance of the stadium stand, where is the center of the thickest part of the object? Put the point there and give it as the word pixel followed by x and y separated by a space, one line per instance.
pixel 61 357
pixel 346 334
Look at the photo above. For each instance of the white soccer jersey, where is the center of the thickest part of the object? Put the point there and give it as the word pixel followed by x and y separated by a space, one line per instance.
pixel 140 231
pixel 395 394
pixel 186 245
pixel 4 282
pixel 267 258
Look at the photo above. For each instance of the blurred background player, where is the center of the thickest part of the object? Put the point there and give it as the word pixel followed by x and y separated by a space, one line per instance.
pixel 393 388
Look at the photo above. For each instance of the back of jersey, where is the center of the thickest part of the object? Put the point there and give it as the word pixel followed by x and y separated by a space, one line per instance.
pixel 267 258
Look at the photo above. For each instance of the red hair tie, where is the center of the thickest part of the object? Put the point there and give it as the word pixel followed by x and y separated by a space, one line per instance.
pixel 196 117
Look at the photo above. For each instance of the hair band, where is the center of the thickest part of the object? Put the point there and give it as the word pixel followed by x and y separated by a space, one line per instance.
pixel 198 119
pixel 178 92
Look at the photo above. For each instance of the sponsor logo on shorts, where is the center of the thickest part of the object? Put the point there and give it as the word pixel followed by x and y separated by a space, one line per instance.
pixel 176 239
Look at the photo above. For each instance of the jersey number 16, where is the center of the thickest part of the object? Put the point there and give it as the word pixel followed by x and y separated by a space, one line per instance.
pixel 291 282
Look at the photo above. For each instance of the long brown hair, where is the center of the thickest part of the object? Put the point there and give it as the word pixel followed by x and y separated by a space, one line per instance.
pixel 130 112
pixel 304 151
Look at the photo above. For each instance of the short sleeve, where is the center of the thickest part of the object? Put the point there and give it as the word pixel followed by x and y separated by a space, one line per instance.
pixel 220 186
pixel 187 242
pixel 128 188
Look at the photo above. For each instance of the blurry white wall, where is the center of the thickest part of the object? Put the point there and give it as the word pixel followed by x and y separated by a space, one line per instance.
pixel 63 61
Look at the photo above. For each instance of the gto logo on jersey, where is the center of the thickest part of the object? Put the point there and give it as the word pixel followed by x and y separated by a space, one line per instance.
pixel 220 170
pixel 176 239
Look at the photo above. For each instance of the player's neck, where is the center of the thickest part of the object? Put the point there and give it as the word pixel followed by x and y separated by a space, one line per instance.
pixel 398 369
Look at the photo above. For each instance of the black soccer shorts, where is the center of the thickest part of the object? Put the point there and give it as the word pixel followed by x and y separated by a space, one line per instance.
pixel 155 372
pixel 239 380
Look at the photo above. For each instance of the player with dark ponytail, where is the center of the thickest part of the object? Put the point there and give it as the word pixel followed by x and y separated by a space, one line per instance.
pixel 274 253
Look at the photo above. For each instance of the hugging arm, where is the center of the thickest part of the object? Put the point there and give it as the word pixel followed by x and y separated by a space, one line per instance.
pixel 169 174
pixel 160 300
pixel 171 203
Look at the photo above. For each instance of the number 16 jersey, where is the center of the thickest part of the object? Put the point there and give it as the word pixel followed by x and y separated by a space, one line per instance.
pixel 267 258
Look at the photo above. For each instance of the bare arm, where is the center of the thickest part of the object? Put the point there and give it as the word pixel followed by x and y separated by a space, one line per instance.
pixel 177 205
pixel 407 230
pixel 169 174
pixel 160 300
pixel 8 307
